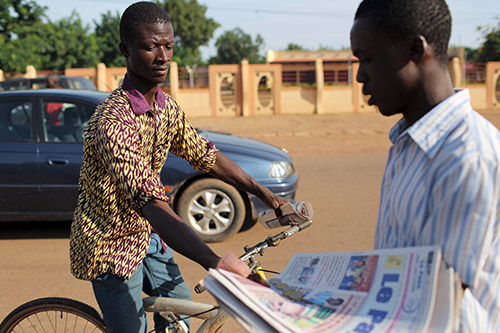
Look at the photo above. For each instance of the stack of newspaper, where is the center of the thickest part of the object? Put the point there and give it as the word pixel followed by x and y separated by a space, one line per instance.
pixel 398 290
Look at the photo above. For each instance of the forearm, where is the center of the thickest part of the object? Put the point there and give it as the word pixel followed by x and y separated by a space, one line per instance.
pixel 177 234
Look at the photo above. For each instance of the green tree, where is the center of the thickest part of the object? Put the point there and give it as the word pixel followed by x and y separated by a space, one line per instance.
pixel 107 33
pixel 17 53
pixel 471 54
pixel 325 48
pixel 191 27
pixel 49 46
pixel 294 47
pixel 18 20
pixel 235 45
pixel 68 43
pixel 490 49
pixel 15 13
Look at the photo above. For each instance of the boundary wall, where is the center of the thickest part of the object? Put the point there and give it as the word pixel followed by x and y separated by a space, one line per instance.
pixel 256 90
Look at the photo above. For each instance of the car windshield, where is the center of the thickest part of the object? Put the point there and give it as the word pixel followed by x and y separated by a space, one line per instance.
pixel 14 85
pixel 80 83
pixel 66 82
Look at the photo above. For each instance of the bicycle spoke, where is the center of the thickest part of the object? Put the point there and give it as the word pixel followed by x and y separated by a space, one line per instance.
pixel 34 327
pixel 53 328
pixel 54 321
pixel 53 314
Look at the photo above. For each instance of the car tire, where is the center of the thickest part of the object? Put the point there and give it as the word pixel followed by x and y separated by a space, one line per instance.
pixel 214 209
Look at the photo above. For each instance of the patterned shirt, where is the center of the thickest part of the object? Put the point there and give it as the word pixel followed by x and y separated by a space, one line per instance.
pixel 442 186
pixel 126 144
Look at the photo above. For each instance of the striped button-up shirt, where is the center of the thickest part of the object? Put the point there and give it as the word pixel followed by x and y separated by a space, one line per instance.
pixel 126 144
pixel 441 186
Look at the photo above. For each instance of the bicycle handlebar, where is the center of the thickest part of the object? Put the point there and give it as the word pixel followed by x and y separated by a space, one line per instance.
pixel 271 241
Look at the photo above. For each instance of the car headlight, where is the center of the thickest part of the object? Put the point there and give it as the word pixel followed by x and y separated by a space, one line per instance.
pixel 281 169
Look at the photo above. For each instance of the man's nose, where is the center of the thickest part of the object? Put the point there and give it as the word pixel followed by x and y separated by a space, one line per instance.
pixel 361 75
pixel 163 55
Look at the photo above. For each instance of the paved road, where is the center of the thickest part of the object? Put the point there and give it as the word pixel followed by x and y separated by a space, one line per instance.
pixel 340 159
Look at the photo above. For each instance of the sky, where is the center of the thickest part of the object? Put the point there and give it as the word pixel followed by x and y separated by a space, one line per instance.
pixel 309 23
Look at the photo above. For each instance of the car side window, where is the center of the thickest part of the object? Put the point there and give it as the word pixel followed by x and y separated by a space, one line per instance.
pixel 15 120
pixel 64 121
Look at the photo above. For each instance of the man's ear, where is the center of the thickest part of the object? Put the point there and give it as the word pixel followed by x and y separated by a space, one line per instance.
pixel 123 49
pixel 418 48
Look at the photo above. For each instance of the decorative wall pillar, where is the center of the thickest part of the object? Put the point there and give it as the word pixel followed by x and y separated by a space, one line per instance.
pixel 245 106
pixel 357 93
pixel 102 83
pixel 455 69
pixel 264 92
pixel 174 80
pixel 492 77
pixel 225 90
pixel 30 72
pixel 320 84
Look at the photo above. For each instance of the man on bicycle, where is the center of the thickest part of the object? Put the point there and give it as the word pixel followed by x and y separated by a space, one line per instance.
pixel 122 206
pixel 442 180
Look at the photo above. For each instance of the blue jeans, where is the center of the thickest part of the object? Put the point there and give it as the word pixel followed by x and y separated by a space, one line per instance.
pixel 120 300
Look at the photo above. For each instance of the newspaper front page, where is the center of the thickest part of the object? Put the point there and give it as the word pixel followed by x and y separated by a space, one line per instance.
pixel 389 290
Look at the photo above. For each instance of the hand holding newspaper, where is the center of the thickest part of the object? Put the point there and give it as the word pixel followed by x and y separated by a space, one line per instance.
pixel 398 290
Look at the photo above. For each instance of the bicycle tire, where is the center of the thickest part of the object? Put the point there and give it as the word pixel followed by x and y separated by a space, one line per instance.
pixel 53 314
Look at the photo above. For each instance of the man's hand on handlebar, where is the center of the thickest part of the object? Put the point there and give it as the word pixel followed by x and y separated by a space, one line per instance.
pixel 230 262
pixel 277 203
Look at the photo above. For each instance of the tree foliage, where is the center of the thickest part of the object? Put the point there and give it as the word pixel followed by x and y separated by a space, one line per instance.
pixel 18 53
pixel 18 20
pixel 69 43
pixel 107 33
pixel 18 13
pixel 235 45
pixel 27 40
pixel 294 47
pixel 490 49
pixel 471 54
pixel 28 37
pixel 192 29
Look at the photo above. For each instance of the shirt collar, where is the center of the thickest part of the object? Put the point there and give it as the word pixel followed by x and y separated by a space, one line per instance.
pixel 139 104
pixel 430 131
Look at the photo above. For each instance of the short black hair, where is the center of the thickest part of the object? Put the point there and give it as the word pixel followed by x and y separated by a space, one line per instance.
pixel 140 12
pixel 406 18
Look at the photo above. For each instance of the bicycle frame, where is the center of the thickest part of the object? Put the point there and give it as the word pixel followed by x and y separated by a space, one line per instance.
pixel 214 317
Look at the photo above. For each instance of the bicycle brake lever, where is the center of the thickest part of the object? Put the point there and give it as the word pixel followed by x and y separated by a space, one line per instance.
pixel 304 225
pixel 298 227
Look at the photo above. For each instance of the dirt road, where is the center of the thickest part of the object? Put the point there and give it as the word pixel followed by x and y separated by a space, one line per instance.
pixel 340 160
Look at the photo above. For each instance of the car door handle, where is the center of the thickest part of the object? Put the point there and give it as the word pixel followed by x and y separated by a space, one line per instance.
pixel 56 161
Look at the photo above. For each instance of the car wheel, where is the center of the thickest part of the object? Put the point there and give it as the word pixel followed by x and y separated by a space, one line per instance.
pixel 214 209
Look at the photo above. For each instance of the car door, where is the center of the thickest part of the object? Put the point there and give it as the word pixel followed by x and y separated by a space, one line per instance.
pixel 19 172
pixel 61 153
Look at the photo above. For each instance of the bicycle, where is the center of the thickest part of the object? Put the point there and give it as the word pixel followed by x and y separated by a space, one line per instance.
pixel 56 314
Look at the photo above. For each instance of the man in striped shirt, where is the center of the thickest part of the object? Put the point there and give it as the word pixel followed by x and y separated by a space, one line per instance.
pixel 442 180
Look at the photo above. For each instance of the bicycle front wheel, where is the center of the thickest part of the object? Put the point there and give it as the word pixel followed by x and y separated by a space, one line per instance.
pixel 53 314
